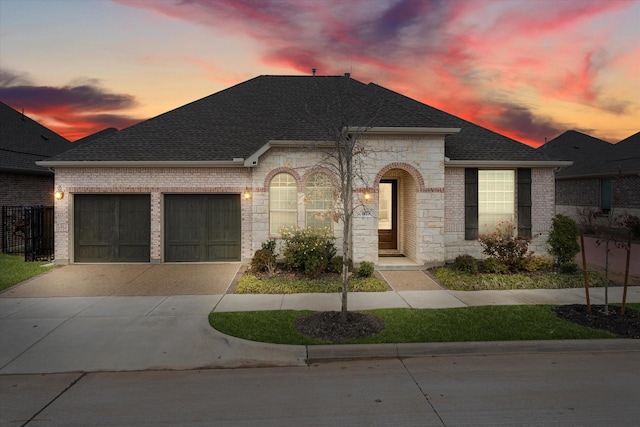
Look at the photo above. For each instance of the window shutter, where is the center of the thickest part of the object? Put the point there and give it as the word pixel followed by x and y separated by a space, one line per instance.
pixel 471 203
pixel 524 202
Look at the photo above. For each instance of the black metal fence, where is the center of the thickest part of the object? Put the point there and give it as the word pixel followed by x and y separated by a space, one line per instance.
pixel 28 230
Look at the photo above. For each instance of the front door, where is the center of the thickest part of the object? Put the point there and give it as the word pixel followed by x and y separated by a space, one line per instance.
pixel 388 215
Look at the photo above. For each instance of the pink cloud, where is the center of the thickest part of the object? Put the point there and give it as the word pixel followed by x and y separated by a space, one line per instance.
pixel 466 57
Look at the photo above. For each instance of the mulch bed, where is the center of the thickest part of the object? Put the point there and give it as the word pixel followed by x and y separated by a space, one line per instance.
pixel 327 326
pixel 623 327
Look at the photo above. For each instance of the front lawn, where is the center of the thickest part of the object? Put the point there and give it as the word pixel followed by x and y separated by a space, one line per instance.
pixel 14 269
pixel 404 325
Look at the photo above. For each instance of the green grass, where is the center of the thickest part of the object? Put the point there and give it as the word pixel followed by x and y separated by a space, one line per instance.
pixel 460 281
pixel 13 270
pixel 250 284
pixel 405 325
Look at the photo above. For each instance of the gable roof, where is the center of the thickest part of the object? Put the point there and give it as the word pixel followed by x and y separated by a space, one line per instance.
pixel 573 145
pixel 237 122
pixel 24 141
pixel 622 157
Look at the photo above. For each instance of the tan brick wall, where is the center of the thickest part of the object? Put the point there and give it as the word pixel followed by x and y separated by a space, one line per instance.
pixel 431 197
pixel 153 181
pixel 542 210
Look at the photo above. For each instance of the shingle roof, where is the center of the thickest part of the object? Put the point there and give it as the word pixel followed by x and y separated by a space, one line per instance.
pixel 573 145
pixel 24 141
pixel 238 121
pixel 94 136
pixel 594 157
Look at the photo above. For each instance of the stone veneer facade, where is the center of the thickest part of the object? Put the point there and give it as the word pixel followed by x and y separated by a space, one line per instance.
pixel 430 197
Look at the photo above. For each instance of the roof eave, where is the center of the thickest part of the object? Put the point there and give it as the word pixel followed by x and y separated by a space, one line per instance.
pixel 146 164
pixel 384 130
pixel 508 163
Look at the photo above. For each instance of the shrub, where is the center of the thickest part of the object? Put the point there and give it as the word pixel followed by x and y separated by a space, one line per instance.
pixel 563 239
pixel 537 263
pixel 494 265
pixel 505 246
pixel 335 265
pixel 568 268
pixel 365 269
pixel 264 260
pixel 466 263
pixel 270 245
pixel 308 250
pixel 632 223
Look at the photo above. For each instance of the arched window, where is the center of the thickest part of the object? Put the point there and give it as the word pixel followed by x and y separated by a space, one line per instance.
pixel 319 200
pixel 283 203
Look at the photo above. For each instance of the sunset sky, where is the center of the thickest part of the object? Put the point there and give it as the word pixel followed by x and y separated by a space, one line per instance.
pixel 529 69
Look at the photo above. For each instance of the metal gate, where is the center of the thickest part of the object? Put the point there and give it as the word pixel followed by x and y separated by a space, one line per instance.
pixel 28 230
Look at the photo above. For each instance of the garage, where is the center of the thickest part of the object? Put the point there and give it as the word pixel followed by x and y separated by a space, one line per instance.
pixel 112 227
pixel 202 227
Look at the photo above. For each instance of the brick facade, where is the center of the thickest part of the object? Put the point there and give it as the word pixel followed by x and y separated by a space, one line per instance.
pixel 430 197
pixel 584 194
pixel 542 211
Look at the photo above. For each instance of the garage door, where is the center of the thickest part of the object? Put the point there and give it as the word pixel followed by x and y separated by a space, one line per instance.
pixel 202 227
pixel 111 228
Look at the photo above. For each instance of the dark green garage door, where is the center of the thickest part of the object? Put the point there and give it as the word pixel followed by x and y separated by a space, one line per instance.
pixel 112 228
pixel 202 227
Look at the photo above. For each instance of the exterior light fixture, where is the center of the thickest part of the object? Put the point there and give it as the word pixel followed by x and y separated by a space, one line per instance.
pixel 247 194
pixel 367 197
pixel 59 194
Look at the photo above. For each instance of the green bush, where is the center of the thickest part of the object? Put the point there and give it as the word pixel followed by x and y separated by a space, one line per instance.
pixel 308 250
pixel 568 268
pixel 504 245
pixel 335 265
pixel 563 239
pixel 495 266
pixel 466 263
pixel 537 263
pixel 365 269
pixel 264 260
pixel 633 223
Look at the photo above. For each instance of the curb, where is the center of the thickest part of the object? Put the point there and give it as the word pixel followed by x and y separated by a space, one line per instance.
pixel 321 353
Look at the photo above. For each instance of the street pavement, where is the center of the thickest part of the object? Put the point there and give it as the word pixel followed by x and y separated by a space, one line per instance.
pixel 535 389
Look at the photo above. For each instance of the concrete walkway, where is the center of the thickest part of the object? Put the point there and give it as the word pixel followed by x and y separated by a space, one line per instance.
pixel 118 333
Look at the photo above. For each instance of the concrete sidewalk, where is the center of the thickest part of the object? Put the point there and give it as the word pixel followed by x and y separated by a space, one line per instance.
pixel 116 333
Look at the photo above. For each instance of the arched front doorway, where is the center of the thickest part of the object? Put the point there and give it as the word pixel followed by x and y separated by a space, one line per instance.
pixel 397 218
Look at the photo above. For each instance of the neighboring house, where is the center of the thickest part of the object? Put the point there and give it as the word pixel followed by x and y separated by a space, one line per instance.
pixel 94 136
pixel 23 142
pixel 603 176
pixel 214 179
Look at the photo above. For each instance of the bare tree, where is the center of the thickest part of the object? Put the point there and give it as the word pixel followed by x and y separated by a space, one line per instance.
pixel 343 112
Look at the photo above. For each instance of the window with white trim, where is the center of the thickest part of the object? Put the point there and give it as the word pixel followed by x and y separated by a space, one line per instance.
pixel 319 200
pixel 496 198
pixel 283 202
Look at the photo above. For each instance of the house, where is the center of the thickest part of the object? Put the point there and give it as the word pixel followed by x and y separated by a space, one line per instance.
pixel 214 179
pixel 22 143
pixel 603 176
pixel 22 182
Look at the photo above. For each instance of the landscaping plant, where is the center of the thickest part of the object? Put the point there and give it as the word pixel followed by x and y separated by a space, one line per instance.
pixel 563 239
pixel 505 246
pixel 308 250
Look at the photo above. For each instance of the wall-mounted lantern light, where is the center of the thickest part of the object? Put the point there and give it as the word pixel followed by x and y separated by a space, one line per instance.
pixel 59 194
pixel 246 194
pixel 367 197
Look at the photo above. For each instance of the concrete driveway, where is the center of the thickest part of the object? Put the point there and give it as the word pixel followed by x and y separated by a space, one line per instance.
pixel 92 280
